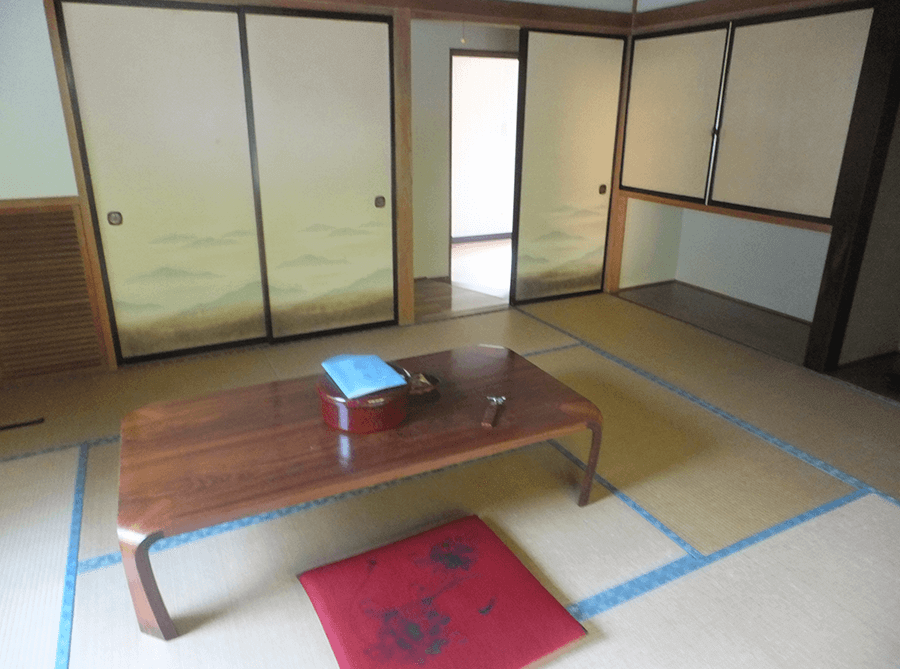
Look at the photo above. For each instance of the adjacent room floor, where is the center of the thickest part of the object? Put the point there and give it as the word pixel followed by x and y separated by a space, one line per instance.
pixel 745 514
pixel 479 282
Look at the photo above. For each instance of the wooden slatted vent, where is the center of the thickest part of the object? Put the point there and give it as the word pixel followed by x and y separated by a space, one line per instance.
pixel 46 323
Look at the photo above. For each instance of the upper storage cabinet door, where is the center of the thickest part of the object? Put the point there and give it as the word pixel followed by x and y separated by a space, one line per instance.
pixel 571 104
pixel 788 101
pixel 163 112
pixel 671 112
pixel 322 109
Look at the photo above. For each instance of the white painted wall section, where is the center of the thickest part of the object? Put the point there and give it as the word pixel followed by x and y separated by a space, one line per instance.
pixel 652 240
pixel 772 266
pixel 35 160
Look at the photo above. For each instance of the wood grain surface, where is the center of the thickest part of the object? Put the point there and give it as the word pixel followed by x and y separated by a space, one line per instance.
pixel 194 463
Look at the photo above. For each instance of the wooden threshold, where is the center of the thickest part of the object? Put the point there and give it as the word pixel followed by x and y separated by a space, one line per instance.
pixel 439 299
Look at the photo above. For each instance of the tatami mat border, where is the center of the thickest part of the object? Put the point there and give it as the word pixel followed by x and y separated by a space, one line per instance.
pixel 731 418
pixel 99 441
pixel 64 641
pixel 582 610
pixel 612 597
pixel 555 349
pixel 641 511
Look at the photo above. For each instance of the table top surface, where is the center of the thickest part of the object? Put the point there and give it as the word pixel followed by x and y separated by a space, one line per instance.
pixel 193 463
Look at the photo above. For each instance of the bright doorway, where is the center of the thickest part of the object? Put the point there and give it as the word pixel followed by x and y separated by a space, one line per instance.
pixel 483 115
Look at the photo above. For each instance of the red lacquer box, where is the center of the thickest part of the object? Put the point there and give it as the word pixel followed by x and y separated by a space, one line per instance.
pixel 371 413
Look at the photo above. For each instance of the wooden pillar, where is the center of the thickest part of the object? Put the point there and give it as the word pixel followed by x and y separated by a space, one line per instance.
pixel 868 139
pixel 403 164
pixel 84 223
pixel 618 204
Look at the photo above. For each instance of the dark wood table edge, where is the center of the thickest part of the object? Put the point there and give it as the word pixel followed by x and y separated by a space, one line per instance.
pixel 153 617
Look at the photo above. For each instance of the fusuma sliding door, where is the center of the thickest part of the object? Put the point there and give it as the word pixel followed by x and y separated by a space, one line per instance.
pixel 567 142
pixel 322 114
pixel 161 99
pixel 680 74
pixel 788 102
pixel 201 245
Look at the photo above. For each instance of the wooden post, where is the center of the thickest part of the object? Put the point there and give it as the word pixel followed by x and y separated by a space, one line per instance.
pixel 403 165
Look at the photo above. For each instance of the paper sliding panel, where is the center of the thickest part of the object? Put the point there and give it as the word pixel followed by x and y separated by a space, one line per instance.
pixel 671 112
pixel 322 110
pixel 163 111
pixel 788 102
pixel 571 103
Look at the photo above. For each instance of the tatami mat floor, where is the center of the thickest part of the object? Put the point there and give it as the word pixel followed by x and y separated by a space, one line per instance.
pixel 747 517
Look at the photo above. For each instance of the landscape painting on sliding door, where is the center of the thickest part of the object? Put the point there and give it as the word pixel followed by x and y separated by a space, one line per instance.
pixel 163 113
pixel 322 115
pixel 571 105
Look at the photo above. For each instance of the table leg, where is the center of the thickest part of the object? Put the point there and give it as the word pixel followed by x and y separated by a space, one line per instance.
pixel 591 468
pixel 153 618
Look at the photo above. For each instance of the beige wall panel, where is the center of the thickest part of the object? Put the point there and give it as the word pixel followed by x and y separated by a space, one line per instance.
pixel 788 102
pixel 571 105
pixel 322 111
pixel 163 112
pixel 671 112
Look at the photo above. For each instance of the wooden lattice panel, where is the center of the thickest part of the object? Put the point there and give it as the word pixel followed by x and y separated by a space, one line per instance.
pixel 46 323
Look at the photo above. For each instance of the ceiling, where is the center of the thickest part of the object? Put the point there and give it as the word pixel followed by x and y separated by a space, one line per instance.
pixel 614 5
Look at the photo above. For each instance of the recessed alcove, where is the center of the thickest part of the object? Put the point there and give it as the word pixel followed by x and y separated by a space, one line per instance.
pixel 752 282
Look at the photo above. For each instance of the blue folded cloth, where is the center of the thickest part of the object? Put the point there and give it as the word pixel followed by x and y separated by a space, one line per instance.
pixel 358 375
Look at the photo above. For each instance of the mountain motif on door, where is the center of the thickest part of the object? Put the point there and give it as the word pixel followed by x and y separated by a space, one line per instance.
pixel 561 252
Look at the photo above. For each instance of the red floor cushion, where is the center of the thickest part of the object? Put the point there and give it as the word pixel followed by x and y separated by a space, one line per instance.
pixel 452 597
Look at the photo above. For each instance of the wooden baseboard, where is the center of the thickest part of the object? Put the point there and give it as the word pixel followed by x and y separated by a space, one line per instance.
pixel 481 238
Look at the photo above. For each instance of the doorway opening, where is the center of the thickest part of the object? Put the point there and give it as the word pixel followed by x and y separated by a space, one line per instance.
pixel 483 114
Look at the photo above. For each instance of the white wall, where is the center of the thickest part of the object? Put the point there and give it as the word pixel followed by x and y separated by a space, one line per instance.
pixel 431 44
pixel 650 248
pixel 874 326
pixel 773 266
pixel 35 160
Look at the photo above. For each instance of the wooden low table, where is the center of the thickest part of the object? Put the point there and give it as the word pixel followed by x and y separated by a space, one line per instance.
pixel 191 464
